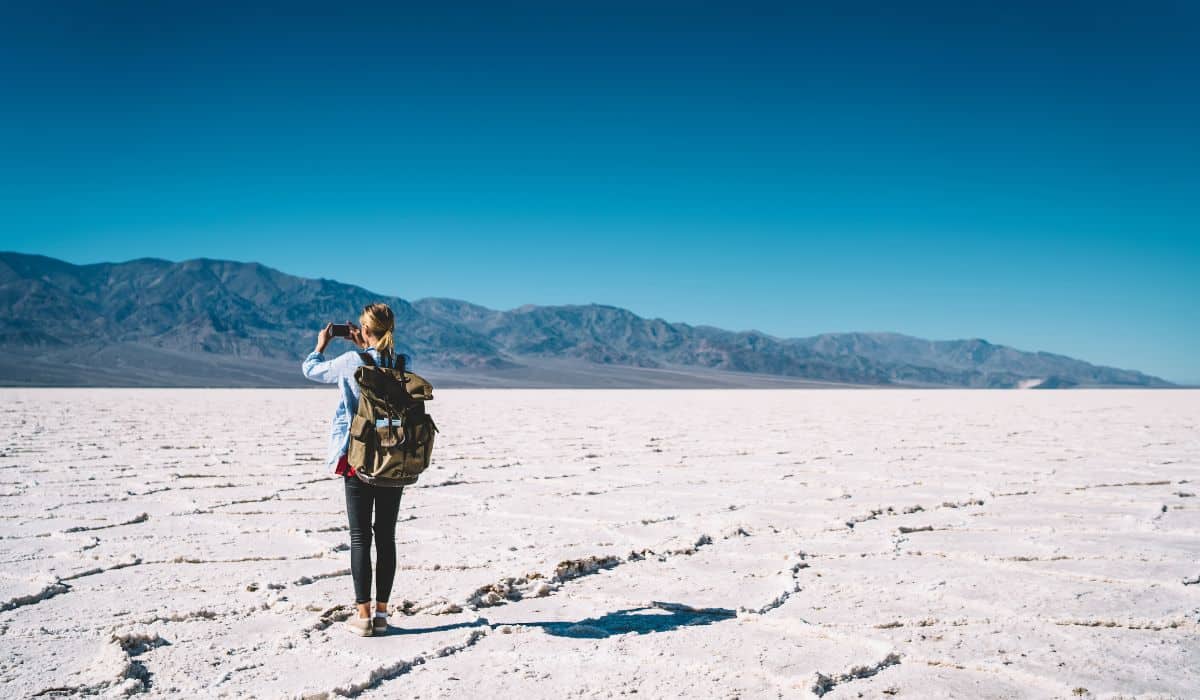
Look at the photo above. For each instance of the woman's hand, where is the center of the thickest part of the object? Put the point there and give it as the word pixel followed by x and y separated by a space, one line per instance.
pixel 356 336
pixel 324 337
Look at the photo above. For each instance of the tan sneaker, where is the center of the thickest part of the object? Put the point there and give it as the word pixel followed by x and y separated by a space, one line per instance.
pixel 380 623
pixel 361 626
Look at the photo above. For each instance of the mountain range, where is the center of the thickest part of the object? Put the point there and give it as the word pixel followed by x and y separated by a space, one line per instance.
pixel 202 322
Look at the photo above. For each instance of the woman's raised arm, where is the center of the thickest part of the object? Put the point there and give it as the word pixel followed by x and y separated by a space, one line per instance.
pixel 315 366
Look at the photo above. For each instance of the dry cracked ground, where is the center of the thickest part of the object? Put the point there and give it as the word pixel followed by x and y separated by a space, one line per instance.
pixel 751 544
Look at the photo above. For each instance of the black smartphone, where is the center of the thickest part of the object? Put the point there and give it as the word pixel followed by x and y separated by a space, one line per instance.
pixel 340 330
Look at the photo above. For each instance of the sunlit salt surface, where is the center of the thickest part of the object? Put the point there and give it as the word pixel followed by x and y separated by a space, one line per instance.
pixel 596 543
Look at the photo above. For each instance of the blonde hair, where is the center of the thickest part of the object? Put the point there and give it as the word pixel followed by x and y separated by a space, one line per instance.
pixel 378 319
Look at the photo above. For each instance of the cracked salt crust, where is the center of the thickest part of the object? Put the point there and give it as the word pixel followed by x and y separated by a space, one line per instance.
pixel 674 543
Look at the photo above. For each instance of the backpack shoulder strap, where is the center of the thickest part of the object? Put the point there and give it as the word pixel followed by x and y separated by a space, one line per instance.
pixel 367 359
pixel 394 360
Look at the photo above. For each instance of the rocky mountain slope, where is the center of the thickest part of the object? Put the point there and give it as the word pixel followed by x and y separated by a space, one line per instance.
pixel 206 322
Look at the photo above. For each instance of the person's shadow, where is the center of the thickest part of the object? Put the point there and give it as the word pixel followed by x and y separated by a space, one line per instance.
pixel 655 617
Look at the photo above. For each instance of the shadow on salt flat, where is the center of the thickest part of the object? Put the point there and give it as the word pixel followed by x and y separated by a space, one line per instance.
pixel 660 617
pixel 656 617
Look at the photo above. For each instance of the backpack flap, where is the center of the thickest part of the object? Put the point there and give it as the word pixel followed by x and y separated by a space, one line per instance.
pixel 384 384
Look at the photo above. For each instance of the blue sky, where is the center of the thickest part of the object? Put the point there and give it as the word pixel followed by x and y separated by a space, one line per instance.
pixel 1027 173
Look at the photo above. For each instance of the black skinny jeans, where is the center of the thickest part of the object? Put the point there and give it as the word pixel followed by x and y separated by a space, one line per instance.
pixel 360 497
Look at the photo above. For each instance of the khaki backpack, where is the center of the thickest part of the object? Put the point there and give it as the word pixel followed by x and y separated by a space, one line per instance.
pixel 391 436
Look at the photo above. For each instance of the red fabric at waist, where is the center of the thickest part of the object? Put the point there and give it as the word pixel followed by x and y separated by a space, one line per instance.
pixel 344 468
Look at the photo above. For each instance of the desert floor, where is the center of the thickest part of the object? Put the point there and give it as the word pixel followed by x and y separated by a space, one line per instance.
pixel 601 543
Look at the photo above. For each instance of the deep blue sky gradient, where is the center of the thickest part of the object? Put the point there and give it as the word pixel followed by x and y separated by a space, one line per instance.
pixel 1027 172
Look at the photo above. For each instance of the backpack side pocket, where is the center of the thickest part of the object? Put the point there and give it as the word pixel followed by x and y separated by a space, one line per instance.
pixel 361 453
pixel 420 445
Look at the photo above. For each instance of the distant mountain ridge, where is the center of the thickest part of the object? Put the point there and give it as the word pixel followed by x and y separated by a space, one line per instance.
pixel 202 322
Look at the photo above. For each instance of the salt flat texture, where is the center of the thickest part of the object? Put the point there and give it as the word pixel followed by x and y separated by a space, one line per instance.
pixel 600 543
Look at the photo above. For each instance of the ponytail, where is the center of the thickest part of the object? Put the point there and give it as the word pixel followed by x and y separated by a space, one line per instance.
pixel 385 344
pixel 378 319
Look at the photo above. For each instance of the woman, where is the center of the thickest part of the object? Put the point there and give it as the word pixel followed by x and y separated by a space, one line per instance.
pixel 374 336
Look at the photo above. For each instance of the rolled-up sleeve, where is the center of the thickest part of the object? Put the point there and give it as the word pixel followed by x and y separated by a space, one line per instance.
pixel 318 369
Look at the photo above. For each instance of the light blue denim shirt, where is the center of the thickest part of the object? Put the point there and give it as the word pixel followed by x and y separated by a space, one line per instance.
pixel 340 371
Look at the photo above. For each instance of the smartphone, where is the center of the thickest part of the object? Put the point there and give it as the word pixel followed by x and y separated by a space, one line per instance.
pixel 341 330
